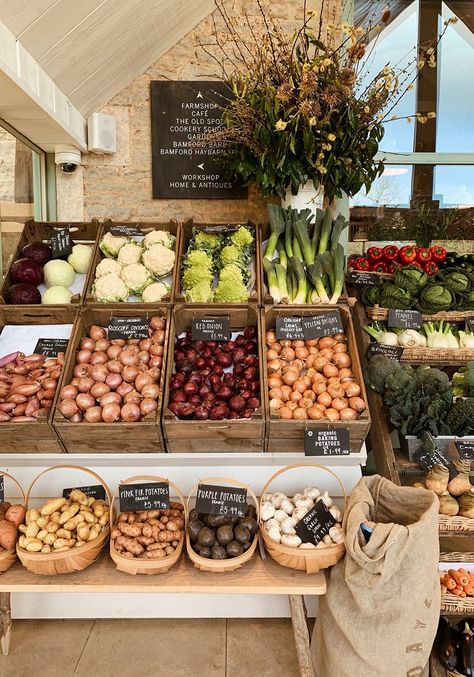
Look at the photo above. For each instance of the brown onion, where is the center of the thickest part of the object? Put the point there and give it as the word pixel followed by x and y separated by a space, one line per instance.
pixel 154 360
pixel 97 333
pixel 156 350
pixel 99 389
pixel 358 404
pixel 82 370
pixel 133 396
pixel 75 382
pixel 147 406
pixel 99 372
pixel 99 357
pixel 158 336
pixel 130 412
pixel 133 342
pixel 111 412
pixel 151 390
pixel 85 401
pixel 115 367
pixel 68 408
pixel 155 373
pixel 76 418
pixel 145 344
pixel 351 389
pixel 110 398
pixel 113 352
pixel 114 381
pixel 348 414
pixel 128 358
pixel 129 374
pixel 157 322
pixel 87 344
pixel 93 415
pixel 118 342
pixel 102 345
pixel 142 380
pixel 124 388
pixel 68 392
pixel 85 384
pixel 134 350
pixel 83 356
pixel 144 357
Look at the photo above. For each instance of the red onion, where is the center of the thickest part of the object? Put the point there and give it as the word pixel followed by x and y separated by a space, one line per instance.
pixel 224 360
pixel 195 378
pixel 219 412
pixel 217 370
pixel 246 394
pixel 68 408
pixel 83 356
pixel 114 381
pixel 190 388
pixel 250 332
pixel 251 361
pixel 200 363
pixel 85 384
pixel 99 389
pixel 228 346
pixel 68 392
pixel 130 412
pixel 148 405
pixel 99 357
pixel 247 413
pixel 110 412
pixel 201 413
pixel 240 340
pixel 224 393
pixel 97 333
pixel 250 347
pixel 253 403
pixel 85 401
pixel 93 415
pixel 205 372
pixel 99 372
pixel 204 390
pixel 249 373
pixel 237 403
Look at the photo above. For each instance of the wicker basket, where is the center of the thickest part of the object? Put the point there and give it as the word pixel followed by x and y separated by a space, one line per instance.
pixel 8 557
pixel 452 604
pixel 379 313
pixel 75 559
pixel 312 560
pixel 442 356
pixel 221 565
pixel 136 565
pixel 455 524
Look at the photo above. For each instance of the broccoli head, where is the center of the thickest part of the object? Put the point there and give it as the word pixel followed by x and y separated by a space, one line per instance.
pixel 198 257
pixel 378 370
pixel 200 293
pixel 431 381
pixel 242 238
pixel 196 274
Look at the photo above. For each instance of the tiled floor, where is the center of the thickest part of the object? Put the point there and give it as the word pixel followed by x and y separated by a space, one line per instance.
pixel 151 648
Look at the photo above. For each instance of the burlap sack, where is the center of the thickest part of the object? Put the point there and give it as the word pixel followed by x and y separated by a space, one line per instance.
pixel 381 610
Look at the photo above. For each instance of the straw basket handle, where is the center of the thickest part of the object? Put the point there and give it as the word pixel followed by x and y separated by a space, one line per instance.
pixel 70 467
pixel 15 481
pixel 227 480
pixel 305 465
pixel 155 478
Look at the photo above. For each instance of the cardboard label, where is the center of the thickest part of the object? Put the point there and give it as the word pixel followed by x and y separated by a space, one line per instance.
pixel 144 496
pixel 96 491
pixel 406 319
pixel 50 347
pixel 315 524
pixel 326 324
pixel 61 243
pixel 2 488
pixel 128 328
pixel 331 442
pixel 216 500
pixel 392 352
pixel 465 449
pixel 125 231
pixel 211 329
pixel 289 328
pixel 363 277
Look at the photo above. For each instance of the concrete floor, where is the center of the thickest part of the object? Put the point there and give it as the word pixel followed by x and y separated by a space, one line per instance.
pixel 151 648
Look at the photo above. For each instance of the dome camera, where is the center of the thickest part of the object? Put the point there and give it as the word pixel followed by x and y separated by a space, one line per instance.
pixel 68 158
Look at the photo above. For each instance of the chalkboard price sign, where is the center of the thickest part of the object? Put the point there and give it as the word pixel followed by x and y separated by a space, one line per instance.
pixel 211 329
pixel 465 449
pixel 470 323
pixel 405 319
pixel 96 491
pixel 127 328
pixel 125 231
pixel 326 324
pixel 289 328
pixel 315 525
pixel 362 277
pixel 144 496
pixel 61 243
pixel 216 500
pixel 2 488
pixel 333 442
pixel 428 460
pixel 50 347
pixel 392 352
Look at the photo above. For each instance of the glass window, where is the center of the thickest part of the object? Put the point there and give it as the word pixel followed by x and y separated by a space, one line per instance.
pixel 392 189
pixel 454 186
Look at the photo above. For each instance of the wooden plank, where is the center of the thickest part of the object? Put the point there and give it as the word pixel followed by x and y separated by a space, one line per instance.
pixel 5 622
pixel 19 14
pixel 301 635
pixel 257 577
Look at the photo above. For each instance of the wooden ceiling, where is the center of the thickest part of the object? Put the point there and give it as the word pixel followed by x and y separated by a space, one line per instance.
pixel 94 48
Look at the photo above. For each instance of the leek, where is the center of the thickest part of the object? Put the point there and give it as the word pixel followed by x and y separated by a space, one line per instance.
pixel 339 225
pixel 276 221
pixel 300 229
pixel 272 280
pixel 327 262
pixel 317 230
pixel 282 255
pixel 297 253
pixel 325 231
pixel 288 235
pixel 302 285
pixel 281 281
pixel 290 284
pixel 315 273
pixel 339 266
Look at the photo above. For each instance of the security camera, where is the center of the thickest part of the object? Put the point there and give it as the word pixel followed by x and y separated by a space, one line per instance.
pixel 68 158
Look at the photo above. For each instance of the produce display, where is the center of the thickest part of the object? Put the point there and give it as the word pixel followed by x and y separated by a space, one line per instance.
pixel 456 495
pixel 27 386
pixel 151 534
pixel 455 645
pixel 439 334
pixel 312 379
pixel 304 262
pixel 219 265
pixel 215 380
pixel 61 524
pixel 36 268
pixel 11 516
pixel 458 582
pixel 135 269
pixel 280 514
pixel 115 380
pixel 222 536
pixel 386 259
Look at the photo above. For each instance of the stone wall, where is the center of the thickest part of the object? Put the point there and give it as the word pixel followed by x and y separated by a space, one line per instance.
pixel 120 186
pixel 7 166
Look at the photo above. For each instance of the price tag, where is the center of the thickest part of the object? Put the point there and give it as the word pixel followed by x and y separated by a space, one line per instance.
pixel 363 277
pixel 211 329
pixel 470 323
pixel 315 524
pixel 144 496
pixel 61 243
pixel 128 328
pixel 406 319
pixel 392 352
pixel 217 500
pixel 50 347
pixel 429 459
pixel 2 488
pixel 125 231
pixel 289 328
pixel 465 449
pixel 331 442
pixel 96 491
pixel 326 324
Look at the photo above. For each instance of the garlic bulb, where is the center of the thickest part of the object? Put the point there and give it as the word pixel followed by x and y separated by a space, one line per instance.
pixel 291 540
pixel 280 515
pixel 266 497
pixel 327 540
pixel 307 546
pixel 277 498
pixel 321 545
pixel 267 510
pixel 299 513
pixel 312 492
pixel 336 513
pixel 296 497
pixel 304 502
pixel 287 506
pixel 275 535
pixel 326 499
pixel 287 526
pixel 272 523
pixel 336 534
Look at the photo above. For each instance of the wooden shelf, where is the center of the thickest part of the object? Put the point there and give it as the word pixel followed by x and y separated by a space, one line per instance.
pixel 262 577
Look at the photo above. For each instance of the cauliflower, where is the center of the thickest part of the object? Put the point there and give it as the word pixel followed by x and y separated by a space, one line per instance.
pixel 108 266
pixel 110 245
pixel 196 274
pixel 198 257
pixel 242 238
pixel 161 237
pixel 130 253
pixel 155 292
pixel 230 291
pixel 230 254
pixel 159 260
pixel 136 277
pixel 110 289
pixel 200 293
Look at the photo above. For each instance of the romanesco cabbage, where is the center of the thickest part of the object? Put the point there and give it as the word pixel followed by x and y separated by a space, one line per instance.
pixel 196 274
pixel 242 238
pixel 229 291
pixel 234 273
pixel 197 257
pixel 200 293
pixel 230 254
pixel 206 241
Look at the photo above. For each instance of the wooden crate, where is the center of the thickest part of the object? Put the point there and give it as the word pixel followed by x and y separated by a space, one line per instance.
pixel 241 435
pixel 38 231
pixel 170 226
pixel 120 437
pixel 39 437
pixel 186 234
pixel 288 436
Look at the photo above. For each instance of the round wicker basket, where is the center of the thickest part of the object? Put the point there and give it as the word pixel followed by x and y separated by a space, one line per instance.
pixel 311 560
pixel 136 565
pixel 75 559
pixel 222 565
pixel 8 557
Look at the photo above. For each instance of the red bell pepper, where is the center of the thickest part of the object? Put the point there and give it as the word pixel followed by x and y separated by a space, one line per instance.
pixel 391 267
pixel 351 261
pixel 423 255
pixel 438 253
pixel 362 264
pixel 407 254
pixel 374 254
pixel 380 267
pixel 416 263
pixel 431 268
pixel 390 252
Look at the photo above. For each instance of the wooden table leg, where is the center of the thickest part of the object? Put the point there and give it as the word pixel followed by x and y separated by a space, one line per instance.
pixel 5 622
pixel 301 633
